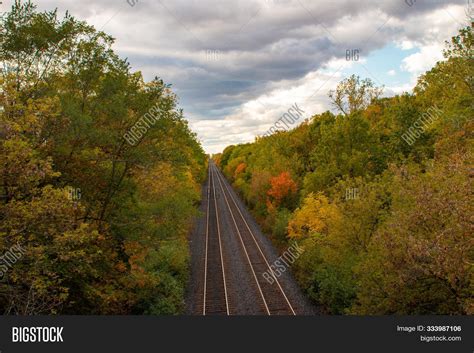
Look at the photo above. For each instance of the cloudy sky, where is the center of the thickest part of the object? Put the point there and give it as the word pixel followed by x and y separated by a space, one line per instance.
pixel 238 65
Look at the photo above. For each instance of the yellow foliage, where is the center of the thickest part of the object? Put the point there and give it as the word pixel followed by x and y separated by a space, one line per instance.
pixel 316 216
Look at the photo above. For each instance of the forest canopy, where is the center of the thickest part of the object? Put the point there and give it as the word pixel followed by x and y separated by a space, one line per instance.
pixel 101 222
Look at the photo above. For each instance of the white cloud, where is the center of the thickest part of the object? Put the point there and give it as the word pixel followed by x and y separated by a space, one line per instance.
pixel 405 44
pixel 423 60
pixel 256 116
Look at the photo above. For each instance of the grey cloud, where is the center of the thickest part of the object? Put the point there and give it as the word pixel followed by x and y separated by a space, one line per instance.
pixel 259 43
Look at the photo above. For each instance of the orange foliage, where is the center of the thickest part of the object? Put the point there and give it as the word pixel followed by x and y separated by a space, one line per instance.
pixel 240 169
pixel 281 186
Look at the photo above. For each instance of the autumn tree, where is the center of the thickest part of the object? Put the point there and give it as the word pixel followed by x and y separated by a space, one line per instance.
pixel 282 190
pixel 353 94
pixel 67 102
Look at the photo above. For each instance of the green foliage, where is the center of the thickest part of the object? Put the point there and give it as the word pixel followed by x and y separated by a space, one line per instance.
pixel 67 100
pixel 352 94
pixel 422 252
pixel 280 225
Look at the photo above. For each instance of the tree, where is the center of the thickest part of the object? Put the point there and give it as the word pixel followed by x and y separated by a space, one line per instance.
pixel 316 216
pixel 282 190
pixel 353 95
pixel 420 258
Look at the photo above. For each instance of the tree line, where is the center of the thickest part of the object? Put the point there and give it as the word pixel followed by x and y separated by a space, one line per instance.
pixel 102 221
pixel 378 193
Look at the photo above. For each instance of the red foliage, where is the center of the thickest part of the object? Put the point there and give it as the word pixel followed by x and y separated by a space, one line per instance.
pixel 281 186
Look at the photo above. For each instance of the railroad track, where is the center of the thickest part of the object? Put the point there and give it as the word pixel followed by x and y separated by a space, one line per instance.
pixel 270 296
pixel 216 300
